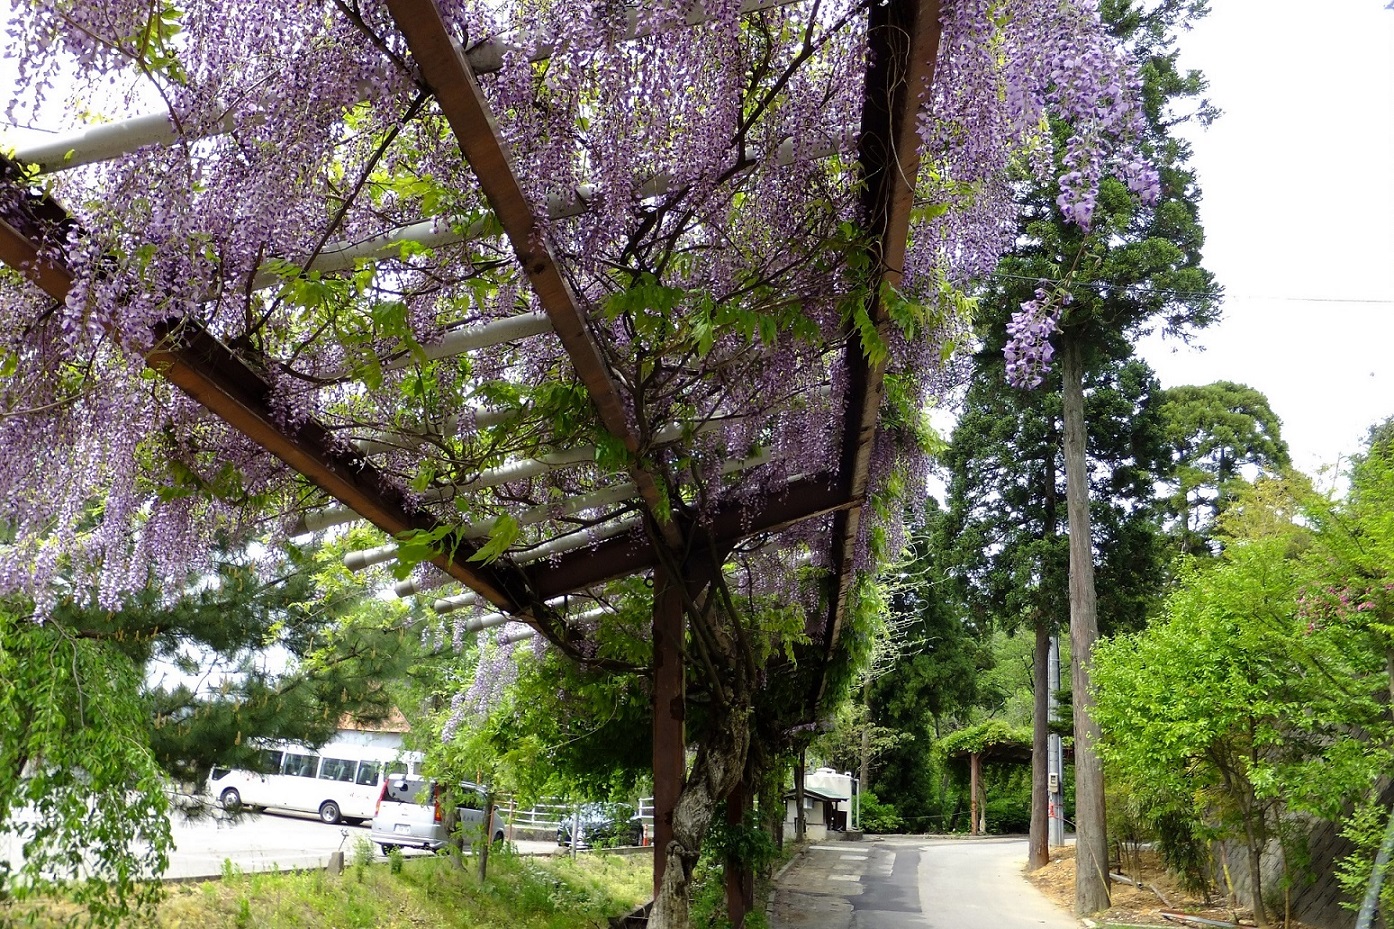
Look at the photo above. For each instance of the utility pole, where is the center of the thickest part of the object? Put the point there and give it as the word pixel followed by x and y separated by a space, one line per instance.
pixel 1055 753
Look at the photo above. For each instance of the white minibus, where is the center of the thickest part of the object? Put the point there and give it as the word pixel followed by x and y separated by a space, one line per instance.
pixel 339 782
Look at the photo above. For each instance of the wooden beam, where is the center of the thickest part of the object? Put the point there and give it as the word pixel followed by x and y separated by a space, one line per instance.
pixel 446 71
pixel 218 379
pixel 904 42
pixel 212 374
pixel 804 498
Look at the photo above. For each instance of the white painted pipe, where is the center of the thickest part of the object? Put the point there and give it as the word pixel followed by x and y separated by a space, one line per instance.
pixel 112 140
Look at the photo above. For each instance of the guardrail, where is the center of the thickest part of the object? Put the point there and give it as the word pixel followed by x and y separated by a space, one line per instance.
pixel 548 816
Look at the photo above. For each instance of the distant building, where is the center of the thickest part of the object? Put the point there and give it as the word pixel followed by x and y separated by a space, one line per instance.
pixel 389 733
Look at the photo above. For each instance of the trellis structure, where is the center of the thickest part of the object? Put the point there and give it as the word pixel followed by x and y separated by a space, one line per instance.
pixel 668 450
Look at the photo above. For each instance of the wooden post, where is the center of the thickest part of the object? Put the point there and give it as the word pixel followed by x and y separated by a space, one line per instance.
pixel 800 821
pixel 740 878
pixel 487 834
pixel 669 734
pixel 974 776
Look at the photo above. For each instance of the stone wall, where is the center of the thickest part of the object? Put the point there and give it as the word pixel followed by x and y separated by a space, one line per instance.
pixel 1316 900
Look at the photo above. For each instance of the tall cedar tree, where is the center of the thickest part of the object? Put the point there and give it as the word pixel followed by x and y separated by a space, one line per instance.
pixel 1136 269
pixel 1007 545
pixel 1218 433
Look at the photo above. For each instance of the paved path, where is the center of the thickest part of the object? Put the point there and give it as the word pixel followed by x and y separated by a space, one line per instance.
pixel 902 882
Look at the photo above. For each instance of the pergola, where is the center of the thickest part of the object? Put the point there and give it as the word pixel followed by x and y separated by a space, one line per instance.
pixel 643 519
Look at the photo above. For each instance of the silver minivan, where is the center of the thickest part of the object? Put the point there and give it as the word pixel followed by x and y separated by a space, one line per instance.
pixel 409 815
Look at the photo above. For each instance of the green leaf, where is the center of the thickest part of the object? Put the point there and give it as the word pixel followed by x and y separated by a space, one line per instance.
pixel 502 534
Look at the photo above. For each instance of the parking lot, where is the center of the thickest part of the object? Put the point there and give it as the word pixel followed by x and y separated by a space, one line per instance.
pixel 275 841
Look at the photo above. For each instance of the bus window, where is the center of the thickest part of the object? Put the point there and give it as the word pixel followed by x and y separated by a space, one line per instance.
pixel 301 765
pixel 336 769
pixel 367 774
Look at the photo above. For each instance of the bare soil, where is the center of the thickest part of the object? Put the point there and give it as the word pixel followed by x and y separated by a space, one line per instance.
pixel 1133 906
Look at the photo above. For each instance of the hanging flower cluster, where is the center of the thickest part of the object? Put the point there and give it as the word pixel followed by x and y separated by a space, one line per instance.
pixel 1028 350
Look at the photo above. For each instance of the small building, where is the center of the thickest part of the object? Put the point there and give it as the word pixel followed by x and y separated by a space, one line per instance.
pixel 827 801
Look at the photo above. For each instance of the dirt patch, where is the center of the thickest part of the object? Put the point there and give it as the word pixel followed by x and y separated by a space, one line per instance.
pixel 1132 905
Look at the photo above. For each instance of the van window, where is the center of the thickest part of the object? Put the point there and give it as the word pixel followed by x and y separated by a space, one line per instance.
pixel 301 765
pixel 271 761
pixel 367 774
pixel 336 769
pixel 397 768
pixel 402 790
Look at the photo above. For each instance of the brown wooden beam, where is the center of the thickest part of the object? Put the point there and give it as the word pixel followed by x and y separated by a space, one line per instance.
pixel 904 42
pixel 446 71
pixel 212 374
pixel 805 498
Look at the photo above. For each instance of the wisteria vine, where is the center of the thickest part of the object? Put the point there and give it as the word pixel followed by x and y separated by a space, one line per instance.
pixel 704 203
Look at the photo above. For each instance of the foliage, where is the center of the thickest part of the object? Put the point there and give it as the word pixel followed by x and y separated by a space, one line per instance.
pixel 84 808
pixel 209 695
pixel 982 737
pixel 878 816
pixel 423 893
pixel 1241 703
pixel 1218 432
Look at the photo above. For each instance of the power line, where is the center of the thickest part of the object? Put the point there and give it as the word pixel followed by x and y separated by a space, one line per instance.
pixel 1385 301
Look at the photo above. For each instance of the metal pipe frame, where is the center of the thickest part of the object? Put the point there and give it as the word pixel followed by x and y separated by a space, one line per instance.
pixel 115 139
pixel 447 72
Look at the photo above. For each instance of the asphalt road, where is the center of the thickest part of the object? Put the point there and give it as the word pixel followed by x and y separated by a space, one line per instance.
pixel 273 841
pixel 903 882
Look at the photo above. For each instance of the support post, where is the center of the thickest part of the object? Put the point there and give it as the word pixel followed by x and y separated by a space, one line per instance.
pixel 974 777
pixel 486 834
pixel 669 714
pixel 1038 845
pixel 740 879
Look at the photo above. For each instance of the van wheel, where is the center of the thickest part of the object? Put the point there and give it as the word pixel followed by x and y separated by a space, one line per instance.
pixel 388 849
pixel 231 800
pixel 498 837
pixel 329 813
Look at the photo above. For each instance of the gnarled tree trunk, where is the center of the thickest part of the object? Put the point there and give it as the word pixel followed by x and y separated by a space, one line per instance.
pixel 719 765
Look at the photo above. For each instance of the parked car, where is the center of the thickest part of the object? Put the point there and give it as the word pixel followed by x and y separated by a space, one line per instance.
pixel 602 825
pixel 409 815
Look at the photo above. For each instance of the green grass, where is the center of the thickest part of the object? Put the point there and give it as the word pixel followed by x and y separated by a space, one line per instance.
pixel 427 893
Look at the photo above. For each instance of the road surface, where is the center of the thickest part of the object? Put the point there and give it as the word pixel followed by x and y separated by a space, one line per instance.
pixel 903 882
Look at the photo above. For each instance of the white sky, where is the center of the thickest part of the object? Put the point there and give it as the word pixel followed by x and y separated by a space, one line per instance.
pixel 1298 178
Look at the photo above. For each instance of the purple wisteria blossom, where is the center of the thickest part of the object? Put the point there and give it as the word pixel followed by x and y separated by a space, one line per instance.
pixel 1028 350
